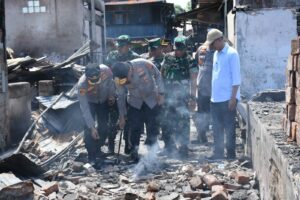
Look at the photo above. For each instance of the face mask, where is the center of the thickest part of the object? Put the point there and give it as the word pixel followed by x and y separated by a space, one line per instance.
pixel 119 81
pixel 94 80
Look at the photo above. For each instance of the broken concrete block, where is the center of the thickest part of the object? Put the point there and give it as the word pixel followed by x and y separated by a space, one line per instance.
pixel 89 168
pixel 242 177
pixel 77 166
pixel 196 183
pixel 192 195
pixel 290 95
pixel 230 186
pixel 50 187
pixel 216 188
pixel 133 196
pixel 150 196
pixel 219 195
pixel 124 179
pixel 210 180
pixel 153 186
pixel 21 190
pixel 188 169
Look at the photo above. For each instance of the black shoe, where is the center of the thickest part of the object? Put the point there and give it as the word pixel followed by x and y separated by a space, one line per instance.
pixel 134 156
pixel 127 149
pixel 183 150
pixel 111 149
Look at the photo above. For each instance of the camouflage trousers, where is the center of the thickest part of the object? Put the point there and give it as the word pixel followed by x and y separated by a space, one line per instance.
pixel 175 124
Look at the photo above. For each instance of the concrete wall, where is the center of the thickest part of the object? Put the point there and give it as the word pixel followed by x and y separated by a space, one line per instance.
pixel 269 3
pixel 275 161
pixel 263 39
pixel 59 29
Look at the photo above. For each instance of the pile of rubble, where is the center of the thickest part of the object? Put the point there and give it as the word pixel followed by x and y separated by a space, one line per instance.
pixel 156 176
pixel 291 122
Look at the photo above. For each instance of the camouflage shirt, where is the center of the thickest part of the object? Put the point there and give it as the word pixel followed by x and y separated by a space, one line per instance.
pixel 115 56
pixel 157 61
pixel 177 73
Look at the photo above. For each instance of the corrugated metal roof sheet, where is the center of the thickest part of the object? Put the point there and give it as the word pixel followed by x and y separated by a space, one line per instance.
pixel 114 3
pixel 63 103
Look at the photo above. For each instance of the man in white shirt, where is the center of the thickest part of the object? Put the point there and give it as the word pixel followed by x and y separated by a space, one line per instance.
pixel 226 81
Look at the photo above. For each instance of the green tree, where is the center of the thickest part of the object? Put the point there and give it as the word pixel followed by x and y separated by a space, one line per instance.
pixel 178 9
pixel 188 6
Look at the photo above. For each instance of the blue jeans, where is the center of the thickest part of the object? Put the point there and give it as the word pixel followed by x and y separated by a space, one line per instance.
pixel 223 122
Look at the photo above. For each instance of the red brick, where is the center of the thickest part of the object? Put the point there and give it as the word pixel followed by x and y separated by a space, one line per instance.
pixel 284 121
pixel 297 96
pixel 298 80
pixel 291 79
pixel 295 46
pixel 295 62
pixel 289 65
pixel 294 130
pixel 50 187
pixel 219 195
pixel 288 128
pixel 290 95
pixel 242 177
pixel 298 137
pixel 210 180
pixel 229 186
pixel 291 112
pixel 196 183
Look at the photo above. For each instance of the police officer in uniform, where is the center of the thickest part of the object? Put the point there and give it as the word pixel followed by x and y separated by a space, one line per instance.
pixel 122 54
pixel 140 82
pixel 96 93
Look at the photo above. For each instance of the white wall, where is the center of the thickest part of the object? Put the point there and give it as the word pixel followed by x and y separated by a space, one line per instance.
pixel 263 40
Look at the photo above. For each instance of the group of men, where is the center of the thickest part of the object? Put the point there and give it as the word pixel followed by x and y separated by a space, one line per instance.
pixel 160 94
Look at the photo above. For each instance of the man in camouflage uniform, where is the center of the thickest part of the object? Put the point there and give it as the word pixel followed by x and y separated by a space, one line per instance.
pixel 204 56
pixel 140 82
pixel 96 93
pixel 155 52
pixel 122 54
pixel 179 72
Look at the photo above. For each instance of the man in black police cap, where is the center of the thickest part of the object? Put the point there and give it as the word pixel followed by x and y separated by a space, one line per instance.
pixel 96 93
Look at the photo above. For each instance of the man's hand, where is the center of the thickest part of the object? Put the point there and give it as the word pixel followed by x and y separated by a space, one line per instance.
pixel 122 122
pixel 160 99
pixel 192 105
pixel 95 134
pixel 232 104
pixel 111 101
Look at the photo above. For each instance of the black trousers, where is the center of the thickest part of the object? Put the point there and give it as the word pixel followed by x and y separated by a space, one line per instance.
pixel 223 124
pixel 137 118
pixel 202 118
pixel 100 114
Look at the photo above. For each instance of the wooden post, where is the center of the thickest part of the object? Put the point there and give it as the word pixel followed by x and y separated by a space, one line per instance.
pixel 4 133
pixel 92 26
